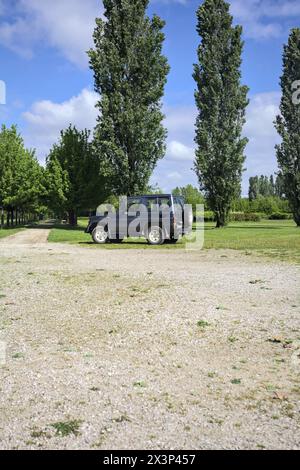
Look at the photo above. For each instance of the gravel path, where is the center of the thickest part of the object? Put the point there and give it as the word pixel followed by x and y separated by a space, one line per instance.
pixel 27 237
pixel 104 349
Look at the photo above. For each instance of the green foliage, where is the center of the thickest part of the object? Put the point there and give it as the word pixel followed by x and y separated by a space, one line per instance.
pixel 209 216
pixel 246 216
pixel 221 101
pixel 288 125
pixel 130 74
pixel 267 205
pixel 264 186
pixel 21 176
pixel 203 324
pixel 153 190
pixel 279 186
pixel 241 205
pixel 191 195
pixel 72 175
pixel 7 232
pixel 65 428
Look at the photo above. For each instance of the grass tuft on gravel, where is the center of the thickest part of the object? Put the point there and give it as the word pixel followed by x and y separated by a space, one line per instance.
pixel 65 428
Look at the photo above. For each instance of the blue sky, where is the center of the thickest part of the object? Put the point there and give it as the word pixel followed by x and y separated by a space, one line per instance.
pixel 49 84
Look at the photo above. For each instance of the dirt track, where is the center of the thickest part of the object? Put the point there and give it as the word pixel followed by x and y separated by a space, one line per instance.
pixel 27 237
pixel 109 341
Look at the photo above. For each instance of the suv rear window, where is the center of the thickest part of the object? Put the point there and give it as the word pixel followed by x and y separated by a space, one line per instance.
pixel 179 201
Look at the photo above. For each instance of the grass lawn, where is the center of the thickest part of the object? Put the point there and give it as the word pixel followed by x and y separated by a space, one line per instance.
pixel 279 239
pixel 6 232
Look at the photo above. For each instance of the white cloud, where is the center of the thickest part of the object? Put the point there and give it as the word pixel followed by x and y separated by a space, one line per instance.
pixel 261 154
pixel 174 176
pixel 66 25
pixel 175 169
pixel 262 19
pixel 18 37
pixel 178 151
pixel 46 119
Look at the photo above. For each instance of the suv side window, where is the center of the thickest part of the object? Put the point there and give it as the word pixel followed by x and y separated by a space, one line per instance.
pixel 150 203
pixel 134 201
pixel 164 201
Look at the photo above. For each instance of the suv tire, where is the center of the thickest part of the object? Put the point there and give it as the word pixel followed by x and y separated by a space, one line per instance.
pixel 155 236
pixel 100 235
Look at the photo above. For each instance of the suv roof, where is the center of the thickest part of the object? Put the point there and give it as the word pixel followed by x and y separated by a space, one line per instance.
pixel 154 195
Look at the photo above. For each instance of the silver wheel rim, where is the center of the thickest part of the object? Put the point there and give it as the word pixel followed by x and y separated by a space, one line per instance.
pixel 100 235
pixel 154 235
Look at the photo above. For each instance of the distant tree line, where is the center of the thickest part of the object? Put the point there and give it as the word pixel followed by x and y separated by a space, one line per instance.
pixel 266 186
pixel 267 204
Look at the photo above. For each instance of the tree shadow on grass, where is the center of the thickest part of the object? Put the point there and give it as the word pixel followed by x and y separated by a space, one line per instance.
pixel 247 227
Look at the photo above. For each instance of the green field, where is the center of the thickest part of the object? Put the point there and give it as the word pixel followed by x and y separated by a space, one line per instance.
pixel 6 232
pixel 279 239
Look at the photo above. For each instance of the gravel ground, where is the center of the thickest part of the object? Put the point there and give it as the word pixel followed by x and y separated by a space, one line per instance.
pixel 146 349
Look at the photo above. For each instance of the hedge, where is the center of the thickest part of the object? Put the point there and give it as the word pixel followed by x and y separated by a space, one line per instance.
pixel 246 216
pixel 280 216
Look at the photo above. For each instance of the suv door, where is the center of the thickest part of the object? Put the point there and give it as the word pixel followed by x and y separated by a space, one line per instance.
pixel 132 210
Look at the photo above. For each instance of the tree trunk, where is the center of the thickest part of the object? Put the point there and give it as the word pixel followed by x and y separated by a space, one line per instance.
pixel 221 218
pixel 72 217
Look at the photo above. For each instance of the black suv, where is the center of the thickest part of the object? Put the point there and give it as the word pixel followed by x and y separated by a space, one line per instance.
pixel 158 218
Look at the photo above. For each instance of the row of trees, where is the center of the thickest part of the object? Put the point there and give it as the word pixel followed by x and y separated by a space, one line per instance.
pixel 69 183
pixel 266 186
pixel 21 179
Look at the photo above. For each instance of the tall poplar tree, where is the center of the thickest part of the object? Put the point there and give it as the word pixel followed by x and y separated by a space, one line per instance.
pixel 130 74
pixel 288 124
pixel 221 101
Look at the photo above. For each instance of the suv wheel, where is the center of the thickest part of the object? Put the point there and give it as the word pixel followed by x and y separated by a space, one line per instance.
pixel 100 235
pixel 155 236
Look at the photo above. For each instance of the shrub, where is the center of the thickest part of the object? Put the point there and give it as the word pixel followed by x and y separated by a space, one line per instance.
pixel 267 205
pixel 209 216
pixel 245 217
pixel 241 205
